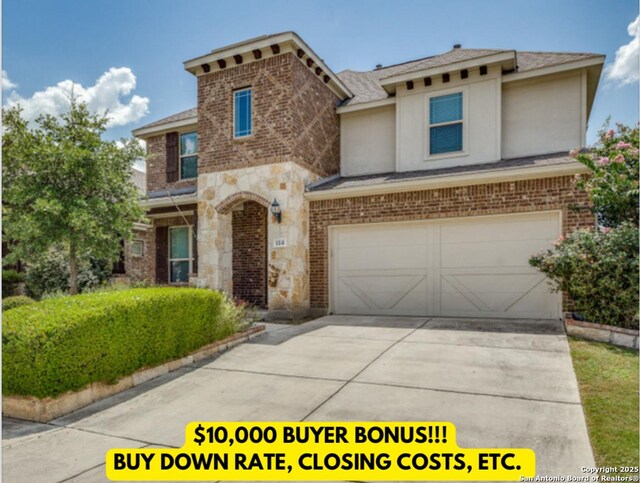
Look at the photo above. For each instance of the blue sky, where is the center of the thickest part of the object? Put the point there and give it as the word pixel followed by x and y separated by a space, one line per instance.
pixel 136 47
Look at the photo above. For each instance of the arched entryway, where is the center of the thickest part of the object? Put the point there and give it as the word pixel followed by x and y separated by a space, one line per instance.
pixel 249 258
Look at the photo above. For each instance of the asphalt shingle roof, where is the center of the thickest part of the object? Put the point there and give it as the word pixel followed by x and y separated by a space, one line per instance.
pixel 366 85
pixel 181 116
pixel 394 177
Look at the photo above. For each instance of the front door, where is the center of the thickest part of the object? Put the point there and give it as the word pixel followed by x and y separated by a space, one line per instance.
pixel 249 225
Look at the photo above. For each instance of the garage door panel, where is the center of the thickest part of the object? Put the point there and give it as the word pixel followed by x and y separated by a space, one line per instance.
pixel 487 254
pixel 377 236
pixel 532 306
pixel 463 267
pixel 491 283
pixel 490 293
pixel 405 294
pixel 534 227
pixel 386 258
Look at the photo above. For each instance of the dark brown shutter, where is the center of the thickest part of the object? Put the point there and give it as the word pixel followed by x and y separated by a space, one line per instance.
pixel 162 255
pixel 195 244
pixel 173 155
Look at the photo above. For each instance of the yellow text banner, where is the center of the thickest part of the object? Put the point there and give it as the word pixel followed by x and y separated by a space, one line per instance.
pixel 320 451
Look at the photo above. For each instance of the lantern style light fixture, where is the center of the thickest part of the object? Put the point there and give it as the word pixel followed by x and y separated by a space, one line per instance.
pixel 275 210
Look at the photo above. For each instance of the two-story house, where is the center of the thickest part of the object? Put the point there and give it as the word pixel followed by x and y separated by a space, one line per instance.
pixel 420 188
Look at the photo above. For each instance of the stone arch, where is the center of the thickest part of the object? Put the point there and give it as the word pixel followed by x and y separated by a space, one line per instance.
pixel 231 201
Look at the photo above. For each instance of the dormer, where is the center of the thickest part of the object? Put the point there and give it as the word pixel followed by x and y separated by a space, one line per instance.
pixel 466 107
pixel 457 64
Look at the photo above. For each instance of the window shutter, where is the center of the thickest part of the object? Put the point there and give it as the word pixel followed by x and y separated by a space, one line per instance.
pixel 195 244
pixel 162 255
pixel 173 155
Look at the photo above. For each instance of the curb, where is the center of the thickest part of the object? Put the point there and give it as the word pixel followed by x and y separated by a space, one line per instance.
pixel 601 333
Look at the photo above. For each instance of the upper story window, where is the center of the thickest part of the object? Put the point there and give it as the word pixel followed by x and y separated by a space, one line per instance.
pixel 189 155
pixel 445 123
pixel 242 125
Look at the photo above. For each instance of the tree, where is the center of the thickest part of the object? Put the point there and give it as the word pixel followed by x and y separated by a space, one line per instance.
pixel 598 268
pixel 64 186
pixel 612 183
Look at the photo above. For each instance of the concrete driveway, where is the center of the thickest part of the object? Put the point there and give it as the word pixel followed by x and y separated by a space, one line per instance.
pixel 503 383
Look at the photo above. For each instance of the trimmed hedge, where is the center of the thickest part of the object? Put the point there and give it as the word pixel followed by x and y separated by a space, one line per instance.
pixel 16 301
pixel 66 343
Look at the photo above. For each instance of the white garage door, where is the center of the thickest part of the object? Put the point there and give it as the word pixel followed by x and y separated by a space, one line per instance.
pixel 464 267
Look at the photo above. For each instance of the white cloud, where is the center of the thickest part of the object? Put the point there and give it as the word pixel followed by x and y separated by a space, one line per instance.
pixel 6 83
pixel 105 96
pixel 624 69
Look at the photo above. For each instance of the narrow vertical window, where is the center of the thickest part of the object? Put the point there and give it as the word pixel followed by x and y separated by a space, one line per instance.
pixel 179 254
pixel 445 124
pixel 242 113
pixel 189 155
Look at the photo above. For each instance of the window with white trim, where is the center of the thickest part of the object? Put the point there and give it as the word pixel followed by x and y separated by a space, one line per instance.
pixel 189 155
pixel 242 124
pixel 445 124
pixel 180 254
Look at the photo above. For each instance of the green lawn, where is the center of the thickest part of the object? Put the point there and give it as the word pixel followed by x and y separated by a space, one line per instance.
pixel 608 379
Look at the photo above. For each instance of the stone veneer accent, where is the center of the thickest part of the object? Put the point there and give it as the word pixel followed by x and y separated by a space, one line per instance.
pixel 601 333
pixel 558 193
pixel 219 192
pixel 294 118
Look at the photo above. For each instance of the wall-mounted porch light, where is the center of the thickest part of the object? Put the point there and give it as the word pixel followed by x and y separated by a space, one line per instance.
pixel 275 210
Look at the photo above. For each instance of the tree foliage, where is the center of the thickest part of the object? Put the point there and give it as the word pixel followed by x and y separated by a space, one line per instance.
pixel 599 271
pixel 64 186
pixel 612 183
pixel 598 268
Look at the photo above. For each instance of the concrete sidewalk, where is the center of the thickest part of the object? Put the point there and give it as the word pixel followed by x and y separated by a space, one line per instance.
pixel 502 383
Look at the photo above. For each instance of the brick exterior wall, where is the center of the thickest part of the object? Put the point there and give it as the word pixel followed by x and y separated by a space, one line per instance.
pixel 249 228
pixel 137 267
pixel 558 193
pixel 294 117
pixel 316 124
pixel 144 269
pixel 157 166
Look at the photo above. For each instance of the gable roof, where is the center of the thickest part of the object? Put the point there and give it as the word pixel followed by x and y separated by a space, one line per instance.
pixel 189 114
pixel 366 86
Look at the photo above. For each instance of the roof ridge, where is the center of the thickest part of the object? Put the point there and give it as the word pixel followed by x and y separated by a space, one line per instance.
pixel 556 52
pixel 403 63
pixel 486 53
pixel 432 56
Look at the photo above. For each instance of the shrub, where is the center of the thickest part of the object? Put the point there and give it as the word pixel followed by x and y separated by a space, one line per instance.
pixel 51 275
pixel 10 278
pixel 66 343
pixel 16 301
pixel 235 313
pixel 599 271
pixel 612 183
